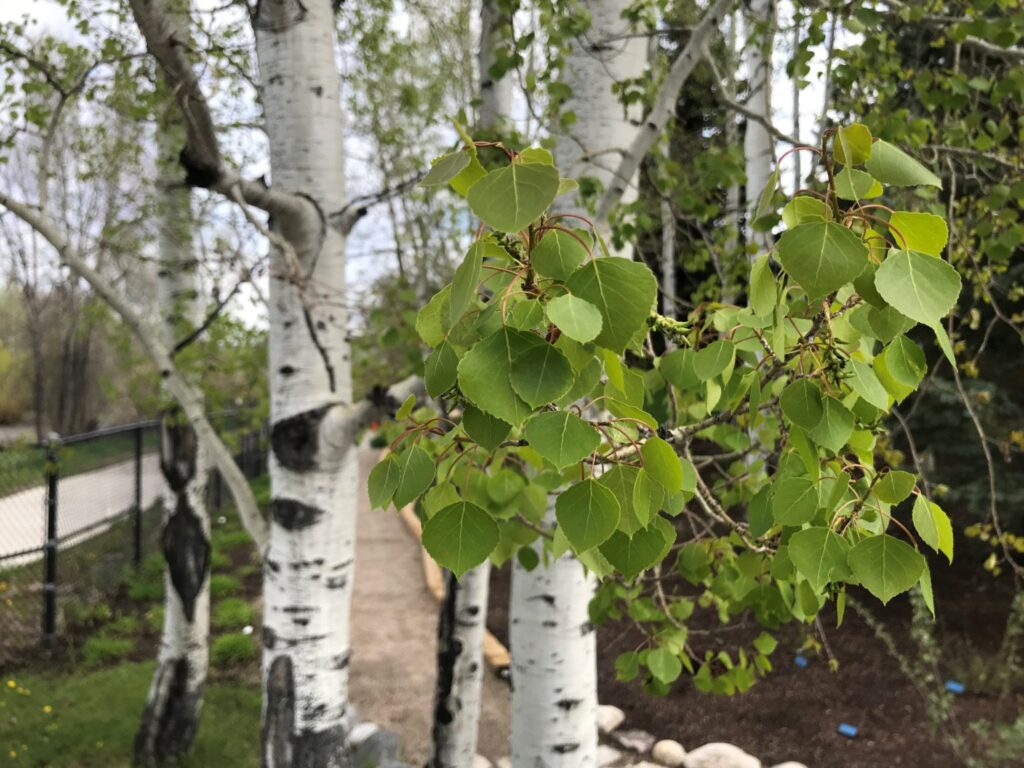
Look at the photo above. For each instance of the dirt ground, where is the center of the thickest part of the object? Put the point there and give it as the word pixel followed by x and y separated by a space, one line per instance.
pixel 794 713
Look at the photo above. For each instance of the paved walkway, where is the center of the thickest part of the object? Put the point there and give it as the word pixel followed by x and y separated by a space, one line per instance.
pixel 394 626
pixel 81 501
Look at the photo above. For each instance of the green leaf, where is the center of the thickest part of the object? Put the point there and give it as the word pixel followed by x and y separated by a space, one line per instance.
pixel 383 482
pixel 802 403
pixel 510 198
pixel 541 374
pixel 440 369
pixel 927 594
pixel 677 368
pixel 504 485
pixel 557 255
pixel 465 282
pixel 852 184
pixel 467 177
pixel 485 374
pixel 835 427
pixel 561 437
pixel 862 380
pixel 795 501
pixel 934 526
pixel 764 200
pixel 664 665
pixel 852 144
pixel 713 359
pixel 804 208
pixel 444 168
pixel 576 318
pixel 919 286
pixel 895 486
pixel 885 566
pixel 821 256
pixel 891 165
pixel 623 291
pixel 905 361
pixel 428 319
pixel 820 556
pixel 460 537
pixel 415 474
pixel 762 287
pixel 944 343
pixel 588 514
pixel 921 232
pixel 632 554
pixel 405 408
pixel 662 463
pixel 486 430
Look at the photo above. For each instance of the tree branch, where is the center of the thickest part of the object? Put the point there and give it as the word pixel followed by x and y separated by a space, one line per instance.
pixel 657 118
pixel 185 394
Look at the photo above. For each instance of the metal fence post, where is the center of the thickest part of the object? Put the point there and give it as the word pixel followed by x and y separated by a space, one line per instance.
pixel 137 510
pixel 50 548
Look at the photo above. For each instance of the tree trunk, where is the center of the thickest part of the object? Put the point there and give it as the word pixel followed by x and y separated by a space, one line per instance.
pixel 604 55
pixel 463 618
pixel 554 663
pixel 460 669
pixel 309 564
pixel 171 716
pixel 495 93
pixel 758 147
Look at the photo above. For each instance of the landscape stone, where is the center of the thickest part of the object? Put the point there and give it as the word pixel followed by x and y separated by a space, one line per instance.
pixel 635 740
pixel 607 755
pixel 669 752
pixel 720 755
pixel 378 749
pixel 479 761
pixel 609 718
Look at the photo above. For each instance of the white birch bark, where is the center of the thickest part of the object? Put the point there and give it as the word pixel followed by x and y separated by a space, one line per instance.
pixel 462 622
pixel 171 716
pixel 758 145
pixel 495 93
pixel 604 129
pixel 309 565
pixel 460 668
pixel 554 665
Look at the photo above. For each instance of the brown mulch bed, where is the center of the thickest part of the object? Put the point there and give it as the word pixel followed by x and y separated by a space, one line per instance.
pixel 794 713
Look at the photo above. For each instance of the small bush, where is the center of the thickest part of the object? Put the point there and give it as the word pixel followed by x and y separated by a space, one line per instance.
pixel 80 615
pixel 155 618
pixel 123 626
pixel 232 613
pixel 147 583
pixel 232 650
pixel 225 541
pixel 223 585
pixel 219 560
pixel 100 649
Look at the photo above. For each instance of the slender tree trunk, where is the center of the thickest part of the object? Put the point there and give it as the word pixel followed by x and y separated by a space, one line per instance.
pixel 309 564
pixel 554 662
pixel 554 670
pixel 463 617
pixel 495 93
pixel 758 147
pixel 604 55
pixel 171 716
pixel 460 669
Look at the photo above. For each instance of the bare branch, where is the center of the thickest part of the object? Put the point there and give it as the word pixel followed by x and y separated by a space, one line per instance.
pixel 184 393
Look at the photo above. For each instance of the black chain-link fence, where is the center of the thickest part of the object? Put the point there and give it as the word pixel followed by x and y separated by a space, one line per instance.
pixel 77 513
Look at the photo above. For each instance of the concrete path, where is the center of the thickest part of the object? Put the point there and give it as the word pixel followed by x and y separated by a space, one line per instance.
pixel 394 638
pixel 81 501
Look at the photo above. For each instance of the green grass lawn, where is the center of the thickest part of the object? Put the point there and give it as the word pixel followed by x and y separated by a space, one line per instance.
pixel 89 719
pixel 24 466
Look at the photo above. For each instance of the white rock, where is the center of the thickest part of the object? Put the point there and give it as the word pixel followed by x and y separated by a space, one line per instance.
pixel 361 732
pixel 503 762
pixel 609 718
pixel 720 755
pixel 607 755
pixel 669 752
pixel 479 761
pixel 644 764
pixel 634 740
pixel 790 764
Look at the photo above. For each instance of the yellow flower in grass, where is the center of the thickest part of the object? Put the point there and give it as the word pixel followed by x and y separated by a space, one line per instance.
pixel 47 709
pixel 11 684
